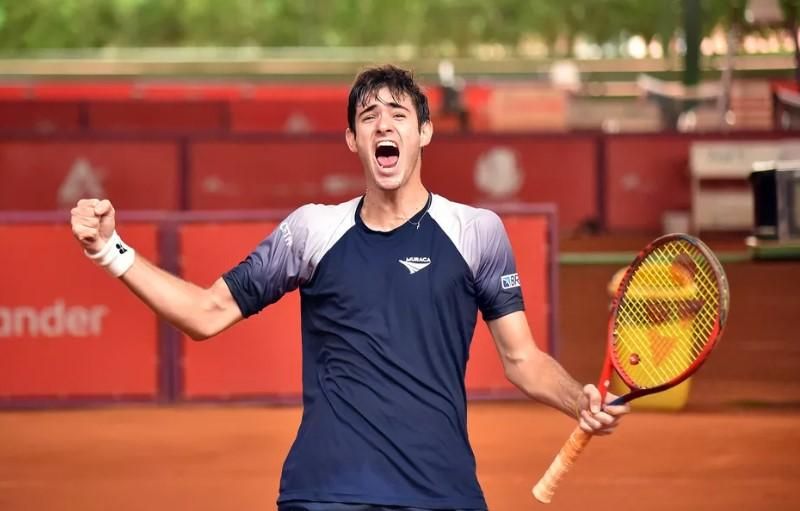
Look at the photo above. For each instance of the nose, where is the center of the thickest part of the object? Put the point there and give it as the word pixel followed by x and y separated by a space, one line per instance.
pixel 384 123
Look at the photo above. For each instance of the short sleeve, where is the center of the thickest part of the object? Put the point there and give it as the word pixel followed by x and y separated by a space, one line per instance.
pixel 277 266
pixel 497 282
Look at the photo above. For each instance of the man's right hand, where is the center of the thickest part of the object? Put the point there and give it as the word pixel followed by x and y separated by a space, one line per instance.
pixel 93 223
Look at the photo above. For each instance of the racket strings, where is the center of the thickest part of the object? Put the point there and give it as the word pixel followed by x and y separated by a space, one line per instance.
pixel 656 313
pixel 656 341
pixel 666 315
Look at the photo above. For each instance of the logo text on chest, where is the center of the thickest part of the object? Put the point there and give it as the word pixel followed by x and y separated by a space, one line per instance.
pixel 415 264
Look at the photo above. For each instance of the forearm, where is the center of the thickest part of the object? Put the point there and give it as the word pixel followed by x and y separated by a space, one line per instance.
pixel 188 307
pixel 533 371
pixel 199 312
pixel 542 378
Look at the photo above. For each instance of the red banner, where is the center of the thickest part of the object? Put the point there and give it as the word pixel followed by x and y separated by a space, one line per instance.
pixel 137 116
pixel 289 116
pixel 47 175
pixel 39 116
pixel 646 176
pixel 322 109
pixel 287 172
pixel 14 91
pixel 115 89
pixel 291 109
pixel 258 356
pixel 517 169
pixel 191 91
pixel 194 106
pixel 261 356
pixel 279 173
pixel 68 329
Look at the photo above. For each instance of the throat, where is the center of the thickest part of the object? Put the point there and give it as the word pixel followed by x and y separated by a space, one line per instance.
pixel 382 213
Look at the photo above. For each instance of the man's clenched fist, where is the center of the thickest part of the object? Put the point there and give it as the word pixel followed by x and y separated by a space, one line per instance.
pixel 93 223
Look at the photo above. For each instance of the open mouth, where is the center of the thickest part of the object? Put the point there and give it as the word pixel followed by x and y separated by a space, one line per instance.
pixel 387 153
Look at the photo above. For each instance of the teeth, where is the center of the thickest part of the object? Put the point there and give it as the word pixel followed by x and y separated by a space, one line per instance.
pixel 388 143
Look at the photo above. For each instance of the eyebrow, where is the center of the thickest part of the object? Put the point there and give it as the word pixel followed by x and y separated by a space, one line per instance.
pixel 373 106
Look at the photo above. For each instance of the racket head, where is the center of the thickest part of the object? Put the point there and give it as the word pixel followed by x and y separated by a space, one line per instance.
pixel 668 313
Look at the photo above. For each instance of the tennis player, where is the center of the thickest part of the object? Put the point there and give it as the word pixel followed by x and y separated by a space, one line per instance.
pixel 391 284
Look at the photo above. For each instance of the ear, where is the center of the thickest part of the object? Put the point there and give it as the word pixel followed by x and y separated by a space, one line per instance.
pixel 425 133
pixel 350 138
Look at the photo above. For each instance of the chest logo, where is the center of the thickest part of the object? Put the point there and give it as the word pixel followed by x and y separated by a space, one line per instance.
pixel 415 264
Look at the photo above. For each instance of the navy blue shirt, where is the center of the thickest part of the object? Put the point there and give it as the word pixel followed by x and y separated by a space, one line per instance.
pixel 387 321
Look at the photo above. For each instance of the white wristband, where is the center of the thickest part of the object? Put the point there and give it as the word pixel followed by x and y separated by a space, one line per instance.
pixel 115 256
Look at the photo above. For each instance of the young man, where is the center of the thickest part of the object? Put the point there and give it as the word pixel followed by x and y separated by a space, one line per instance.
pixel 390 284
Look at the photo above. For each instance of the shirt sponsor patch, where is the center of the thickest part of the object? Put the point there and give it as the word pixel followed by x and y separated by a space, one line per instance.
pixel 286 233
pixel 510 281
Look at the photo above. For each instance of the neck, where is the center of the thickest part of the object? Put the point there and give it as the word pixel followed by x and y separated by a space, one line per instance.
pixel 384 210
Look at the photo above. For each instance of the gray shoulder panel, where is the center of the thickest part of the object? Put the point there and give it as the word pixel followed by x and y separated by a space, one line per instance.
pixel 481 239
pixel 322 226
pixel 470 229
pixel 288 257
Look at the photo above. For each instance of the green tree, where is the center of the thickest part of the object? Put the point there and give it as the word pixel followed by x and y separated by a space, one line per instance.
pixel 426 24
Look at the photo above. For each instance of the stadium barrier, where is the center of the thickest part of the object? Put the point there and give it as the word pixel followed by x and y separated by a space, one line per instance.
pixel 47 173
pixel 622 182
pixel 71 335
pixel 283 171
pixel 68 333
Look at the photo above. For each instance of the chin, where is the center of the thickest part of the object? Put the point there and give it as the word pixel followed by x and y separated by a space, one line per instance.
pixel 389 182
pixel 388 185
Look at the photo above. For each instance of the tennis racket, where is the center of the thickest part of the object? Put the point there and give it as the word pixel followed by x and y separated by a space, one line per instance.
pixel 667 315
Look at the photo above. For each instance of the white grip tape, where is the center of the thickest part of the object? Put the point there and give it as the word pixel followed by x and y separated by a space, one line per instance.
pixel 116 257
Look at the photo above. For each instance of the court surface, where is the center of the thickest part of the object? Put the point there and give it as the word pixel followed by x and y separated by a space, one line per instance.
pixel 229 458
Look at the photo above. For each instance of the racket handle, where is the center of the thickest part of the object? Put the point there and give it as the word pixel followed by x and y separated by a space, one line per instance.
pixel 546 487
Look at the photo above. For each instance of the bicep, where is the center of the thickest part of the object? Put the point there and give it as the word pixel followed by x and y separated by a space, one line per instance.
pixel 223 306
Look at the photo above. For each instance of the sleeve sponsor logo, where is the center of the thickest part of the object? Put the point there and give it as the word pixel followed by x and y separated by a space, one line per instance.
pixel 510 281
pixel 287 234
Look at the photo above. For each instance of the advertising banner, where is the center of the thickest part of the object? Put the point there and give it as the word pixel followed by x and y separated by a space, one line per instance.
pixel 286 172
pixel 45 174
pixel 257 357
pixel 645 177
pixel 40 116
pixel 67 329
pixel 155 116
pixel 274 173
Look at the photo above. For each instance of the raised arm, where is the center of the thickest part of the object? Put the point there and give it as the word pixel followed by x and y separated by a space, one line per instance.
pixel 541 377
pixel 199 312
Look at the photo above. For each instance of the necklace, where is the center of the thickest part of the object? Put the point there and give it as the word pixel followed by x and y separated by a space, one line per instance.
pixel 405 219
pixel 418 222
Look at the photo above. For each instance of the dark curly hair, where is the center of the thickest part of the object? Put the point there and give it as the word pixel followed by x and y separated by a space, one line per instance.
pixel 400 82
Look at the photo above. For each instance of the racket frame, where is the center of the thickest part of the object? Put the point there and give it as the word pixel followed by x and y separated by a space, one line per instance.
pixel 612 363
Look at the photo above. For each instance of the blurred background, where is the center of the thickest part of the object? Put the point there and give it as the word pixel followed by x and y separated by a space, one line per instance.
pixel 591 126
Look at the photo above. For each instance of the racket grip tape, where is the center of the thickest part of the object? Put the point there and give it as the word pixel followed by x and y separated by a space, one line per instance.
pixel 546 487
